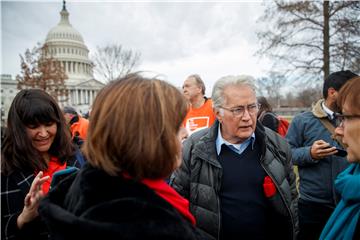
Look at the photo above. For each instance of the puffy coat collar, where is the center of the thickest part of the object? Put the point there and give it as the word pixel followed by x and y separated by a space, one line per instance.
pixel 206 148
pixel 318 111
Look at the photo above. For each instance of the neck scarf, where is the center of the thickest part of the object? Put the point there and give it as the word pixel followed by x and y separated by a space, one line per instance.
pixel 342 223
pixel 53 166
pixel 171 196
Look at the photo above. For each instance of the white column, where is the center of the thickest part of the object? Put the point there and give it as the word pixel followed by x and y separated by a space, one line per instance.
pixel 85 96
pixel 73 97
pixel 90 97
pixel 81 96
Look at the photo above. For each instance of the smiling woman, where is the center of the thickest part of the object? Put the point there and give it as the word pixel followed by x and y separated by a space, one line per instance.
pixel 37 144
pixel 42 136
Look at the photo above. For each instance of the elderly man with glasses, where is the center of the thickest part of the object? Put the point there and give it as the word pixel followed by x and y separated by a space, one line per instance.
pixel 237 174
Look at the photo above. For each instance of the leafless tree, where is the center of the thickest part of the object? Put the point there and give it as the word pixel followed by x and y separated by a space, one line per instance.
pixel 39 69
pixel 309 96
pixel 271 87
pixel 113 61
pixel 310 39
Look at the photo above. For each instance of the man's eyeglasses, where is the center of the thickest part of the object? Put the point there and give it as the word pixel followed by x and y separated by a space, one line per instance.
pixel 340 118
pixel 240 110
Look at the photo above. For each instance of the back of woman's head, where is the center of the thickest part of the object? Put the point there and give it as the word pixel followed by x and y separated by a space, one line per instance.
pixel 133 128
pixel 32 107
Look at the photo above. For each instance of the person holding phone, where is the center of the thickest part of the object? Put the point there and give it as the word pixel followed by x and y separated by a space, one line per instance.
pixel 133 145
pixel 344 222
pixel 313 147
pixel 37 144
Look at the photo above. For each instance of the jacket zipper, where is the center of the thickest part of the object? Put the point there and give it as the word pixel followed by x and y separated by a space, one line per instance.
pixel 281 194
pixel 218 202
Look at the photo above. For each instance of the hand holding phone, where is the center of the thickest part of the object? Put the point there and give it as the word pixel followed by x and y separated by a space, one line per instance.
pixel 321 149
pixel 60 175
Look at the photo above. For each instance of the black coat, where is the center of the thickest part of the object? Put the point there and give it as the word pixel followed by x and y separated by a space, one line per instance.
pixel 270 120
pixel 14 188
pixel 98 206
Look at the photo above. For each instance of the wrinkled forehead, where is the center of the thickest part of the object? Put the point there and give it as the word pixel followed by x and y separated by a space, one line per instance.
pixel 190 81
pixel 239 94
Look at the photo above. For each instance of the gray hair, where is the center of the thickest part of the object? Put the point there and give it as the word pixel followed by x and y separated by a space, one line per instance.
pixel 222 83
pixel 199 82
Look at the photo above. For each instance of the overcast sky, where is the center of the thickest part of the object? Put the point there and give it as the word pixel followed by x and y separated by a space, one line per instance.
pixel 175 39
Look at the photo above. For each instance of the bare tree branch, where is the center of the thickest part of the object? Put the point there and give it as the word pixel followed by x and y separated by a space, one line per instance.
pixel 39 69
pixel 311 36
pixel 113 61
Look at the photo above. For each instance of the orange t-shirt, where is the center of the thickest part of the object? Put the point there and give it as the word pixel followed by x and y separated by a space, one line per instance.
pixel 199 118
pixel 81 127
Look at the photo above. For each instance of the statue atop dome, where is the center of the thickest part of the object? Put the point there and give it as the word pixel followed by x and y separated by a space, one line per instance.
pixel 64 6
pixel 64 15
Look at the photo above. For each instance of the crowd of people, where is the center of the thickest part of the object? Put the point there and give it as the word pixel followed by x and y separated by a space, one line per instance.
pixel 153 162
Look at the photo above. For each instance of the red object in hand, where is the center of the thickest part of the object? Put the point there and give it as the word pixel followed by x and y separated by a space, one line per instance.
pixel 269 187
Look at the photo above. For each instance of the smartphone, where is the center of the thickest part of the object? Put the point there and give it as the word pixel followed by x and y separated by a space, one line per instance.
pixel 341 152
pixel 60 175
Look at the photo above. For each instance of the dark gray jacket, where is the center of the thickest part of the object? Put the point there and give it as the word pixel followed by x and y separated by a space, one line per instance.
pixel 199 177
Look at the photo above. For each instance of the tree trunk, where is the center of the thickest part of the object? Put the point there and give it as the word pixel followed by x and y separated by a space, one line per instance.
pixel 326 40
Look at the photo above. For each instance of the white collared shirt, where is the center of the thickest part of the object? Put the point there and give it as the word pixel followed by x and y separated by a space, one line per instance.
pixel 328 111
pixel 238 148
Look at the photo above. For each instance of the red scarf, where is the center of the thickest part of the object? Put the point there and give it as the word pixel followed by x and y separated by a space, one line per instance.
pixel 54 166
pixel 171 196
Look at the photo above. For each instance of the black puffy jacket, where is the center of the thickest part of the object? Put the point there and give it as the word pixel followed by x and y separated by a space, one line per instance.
pixel 199 177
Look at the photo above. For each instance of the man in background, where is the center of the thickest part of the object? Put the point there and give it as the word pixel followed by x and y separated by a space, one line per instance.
pixel 313 146
pixel 78 125
pixel 200 114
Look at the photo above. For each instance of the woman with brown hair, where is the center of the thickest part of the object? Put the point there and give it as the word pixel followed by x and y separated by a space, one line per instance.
pixel 37 144
pixel 133 144
pixel 344 222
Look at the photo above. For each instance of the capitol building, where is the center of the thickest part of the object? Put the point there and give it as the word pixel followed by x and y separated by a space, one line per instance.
pixel 66 45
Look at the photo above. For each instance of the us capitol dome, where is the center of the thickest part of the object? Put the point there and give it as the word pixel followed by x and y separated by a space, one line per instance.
pixel 67 45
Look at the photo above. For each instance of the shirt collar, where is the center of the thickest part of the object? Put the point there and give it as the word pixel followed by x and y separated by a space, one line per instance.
pixel 328 111
pixel 239 147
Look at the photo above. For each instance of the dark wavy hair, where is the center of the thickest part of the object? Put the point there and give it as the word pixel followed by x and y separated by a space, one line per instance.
pixel 336 80
pixel 33 107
